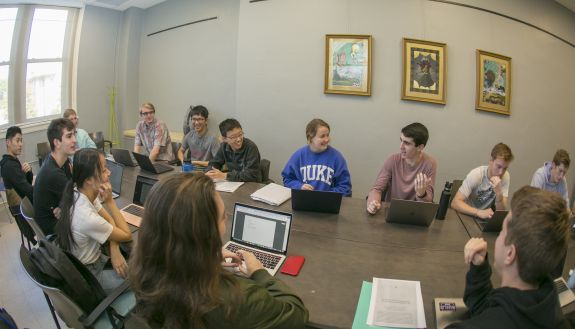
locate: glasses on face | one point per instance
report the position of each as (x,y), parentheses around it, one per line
(198,119)
(144,114)
(236,137)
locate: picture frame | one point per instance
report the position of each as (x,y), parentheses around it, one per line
(348,64)
(493,87)
(424,71)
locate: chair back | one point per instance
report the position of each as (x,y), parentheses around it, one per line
(265,165)
(27,211)
(100,141)
(454,188)
(43,151)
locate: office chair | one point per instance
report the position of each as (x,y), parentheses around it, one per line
(454,188)
(98,138)
(175,148)
(43,150)
(27,211)
(265,165)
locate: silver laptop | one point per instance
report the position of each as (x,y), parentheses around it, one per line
(133,212)
(263,232)
(492,224)
(116,173)
(411,212)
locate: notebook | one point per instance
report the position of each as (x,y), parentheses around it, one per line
(147,165)
(318,201)
(124,157)
(494,223)
(133,212)
(263,232)
(411,212)
(273,194)
(116,173)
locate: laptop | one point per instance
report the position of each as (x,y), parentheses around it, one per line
(133,212)
(124,157)
(411,212)
(147,165)
(318,201)
(494,223)
(263,232)
(117,171)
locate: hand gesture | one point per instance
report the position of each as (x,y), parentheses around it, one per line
(475,251)
(484,213)
(215,174)
(119,264)
(373,207)
(26,167)
(106,192)
(307,187)
(235,259)
(252,264)
(495,182)
(421,184)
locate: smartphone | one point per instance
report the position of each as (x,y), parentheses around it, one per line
(293,265)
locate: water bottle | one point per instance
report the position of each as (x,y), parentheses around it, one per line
(444,201)
(571,282)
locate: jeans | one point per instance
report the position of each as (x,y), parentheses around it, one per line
(108,278)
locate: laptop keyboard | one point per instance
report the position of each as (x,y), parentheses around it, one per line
(134,210)
(268,260)
(560,286)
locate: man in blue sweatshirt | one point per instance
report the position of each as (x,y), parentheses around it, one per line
(551,176)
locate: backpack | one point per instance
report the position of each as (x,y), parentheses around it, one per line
(6,320)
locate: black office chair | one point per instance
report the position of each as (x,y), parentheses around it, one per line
(265,165)
(43,150)
(456,184)
(27,211)
(100,141)
(175,148)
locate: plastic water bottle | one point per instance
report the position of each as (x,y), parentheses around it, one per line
(571,282)
(444,201)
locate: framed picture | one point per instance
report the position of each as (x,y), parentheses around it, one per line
(348,64)
(493,83)
(424,71)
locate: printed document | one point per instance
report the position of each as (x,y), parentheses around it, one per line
(396,303)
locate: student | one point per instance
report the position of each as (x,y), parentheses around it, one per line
(551,176)
(317,166)
(532,242)
(486,186)
(407,175)
(153,135)
(238,153)
(84,225)
(177,273)
(203,146)
(83,140)
(17,176)
(54,174)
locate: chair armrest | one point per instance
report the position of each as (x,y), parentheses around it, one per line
(105,304)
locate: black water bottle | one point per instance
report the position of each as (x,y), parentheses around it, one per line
(444,201)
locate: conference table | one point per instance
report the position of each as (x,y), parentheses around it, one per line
(342,250)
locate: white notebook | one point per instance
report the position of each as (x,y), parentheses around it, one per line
(273,194)
(225,186)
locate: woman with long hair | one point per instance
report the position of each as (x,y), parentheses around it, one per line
(84,225)
(176,268)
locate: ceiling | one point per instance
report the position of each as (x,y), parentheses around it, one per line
(568,4)
(120,5)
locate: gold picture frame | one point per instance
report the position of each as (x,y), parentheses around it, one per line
(424,71)
(347,64)
(493,87)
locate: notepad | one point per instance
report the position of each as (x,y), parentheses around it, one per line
(229,187)
(273,194)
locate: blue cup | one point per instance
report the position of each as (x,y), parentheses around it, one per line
(187,167)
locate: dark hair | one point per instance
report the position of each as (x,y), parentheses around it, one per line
(417,131)
(56,130)
(562,157)
(175,269)
(503,151)
(13,131)
(199,110)
(229,124)
(312,126)
(538,228)
(86,165)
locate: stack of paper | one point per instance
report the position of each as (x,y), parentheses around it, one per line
(225,186)
(273,194)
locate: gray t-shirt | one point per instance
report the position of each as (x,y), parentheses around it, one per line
(477,188)
(202,148)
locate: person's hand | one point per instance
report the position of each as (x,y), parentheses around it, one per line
(373,207)
(119,264)
(484,213)
(307,187)
(26,167)
(495,182)
(106,192)
(475,251)
(252,263)
(215,174)
(236,260)
(421,183)
(57,212)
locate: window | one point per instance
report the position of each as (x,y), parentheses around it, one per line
(35,62)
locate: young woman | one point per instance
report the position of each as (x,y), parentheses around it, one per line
(176,269)
(84,225)
(317,166)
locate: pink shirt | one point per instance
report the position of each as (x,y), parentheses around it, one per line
(397,179)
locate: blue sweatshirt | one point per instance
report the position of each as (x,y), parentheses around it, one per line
(325,171)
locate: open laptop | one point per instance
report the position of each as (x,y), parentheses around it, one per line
(318,201)
(411,212)
(116,173)
(263,232)
(133,212)
(494,223)
(147,165)
(124,157)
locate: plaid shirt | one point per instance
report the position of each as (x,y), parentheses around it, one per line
(155,133)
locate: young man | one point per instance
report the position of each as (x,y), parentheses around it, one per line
(83,140)
(532,242)
(17,176)
(153,135)
(486,186)
(202,145)
(239,154)
(54,174)
(407,175)
(551,176)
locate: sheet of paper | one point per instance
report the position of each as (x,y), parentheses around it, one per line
(230,187)
(396,303)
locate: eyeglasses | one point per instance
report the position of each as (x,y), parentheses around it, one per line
(143,114)
(236,137)
(198,119)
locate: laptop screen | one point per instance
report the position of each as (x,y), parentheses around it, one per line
(261,228)
(116,170)
(142,189)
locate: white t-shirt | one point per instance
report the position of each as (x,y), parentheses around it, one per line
(477,188)
(89,229)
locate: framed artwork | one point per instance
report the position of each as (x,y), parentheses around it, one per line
(348,64)
(424,71)
(493,83)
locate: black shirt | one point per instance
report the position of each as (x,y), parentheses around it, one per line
(243,164)
(15,178)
